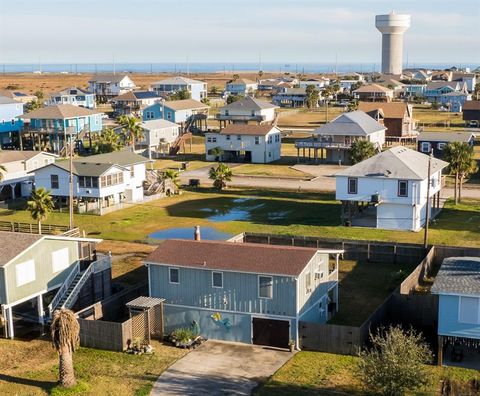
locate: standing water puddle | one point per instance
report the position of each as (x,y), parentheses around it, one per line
(207,233)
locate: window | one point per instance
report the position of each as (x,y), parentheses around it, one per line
(169,116)
(214,140)
(88,182)
(132,171)
(239,137)
(60,260)
(217,279)
(149,115)
(95,182)
(25,272)
(13,121)
(227,112)
(270,139)
(54,184)
(174,275)
(209,140)
(308,283)
(352,185)
(425,147)
(253,113)
(441,146)
(227,137)
(257,140)
(265,286)
(403,188)
(81,181)
(468,310)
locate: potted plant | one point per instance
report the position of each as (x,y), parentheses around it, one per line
(291,345)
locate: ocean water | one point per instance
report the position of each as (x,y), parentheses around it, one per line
(207,67)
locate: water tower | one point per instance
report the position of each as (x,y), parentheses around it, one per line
(392,26)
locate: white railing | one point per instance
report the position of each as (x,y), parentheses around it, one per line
(63,289)
(321,144)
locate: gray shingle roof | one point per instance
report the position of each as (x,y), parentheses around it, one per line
(464,137)
(123,158)
(14,243)
(60,112)
(177,81)
(397,163)
(83,168)
(355,123)
(458,275)
(249,104)
(107,78)
(151,125)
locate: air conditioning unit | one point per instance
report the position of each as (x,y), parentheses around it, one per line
(318,274)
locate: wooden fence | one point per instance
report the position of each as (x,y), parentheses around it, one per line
(32,228)
(345,340)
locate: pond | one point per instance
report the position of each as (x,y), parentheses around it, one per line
(241,211)
(207,233)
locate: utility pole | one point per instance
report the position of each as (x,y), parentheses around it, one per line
(70,197)
(427,214)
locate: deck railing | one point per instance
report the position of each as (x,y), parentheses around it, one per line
(64,288)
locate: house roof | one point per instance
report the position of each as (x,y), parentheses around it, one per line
(178,80)
(107,78)
(293,91)
(61,111)
(14,94)
(389,110)
(458,275)
(7,156)
(245,81)
(184,104)
(122,158)
(355,123)
(7,100)
(247,129)
(230,256)
(72,91)
(441,84)
(14,243)
(464,137)
(249,104)
(137,95)
(152,125)
(471,105)
(397,163)
(83,168)
(372,88)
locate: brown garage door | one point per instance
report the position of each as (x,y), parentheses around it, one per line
(271,332)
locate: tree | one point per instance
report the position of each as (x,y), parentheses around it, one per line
(461,158)
(40,205)
(205,101)
(476,91)
(260,74)
(39,94)
(233,98)
(235,77)
(172,175)
(220,176)
(313,96)
(32,105)
(65,332)
(214,90)
(108,141)
(217,152)
(180,95)
(131,129)
(361,150)
(2,169)
(396,362)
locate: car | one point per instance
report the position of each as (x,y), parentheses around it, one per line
(473,124)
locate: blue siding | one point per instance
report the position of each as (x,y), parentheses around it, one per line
(448,324)
(9,112)
(170,115)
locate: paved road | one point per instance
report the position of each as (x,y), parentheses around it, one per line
(220,368)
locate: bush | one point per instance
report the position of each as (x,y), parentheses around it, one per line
(183,334)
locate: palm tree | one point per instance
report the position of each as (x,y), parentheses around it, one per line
(461,158)
(65,339)
(108,141)
(220,176)
(217,152)
(131,129)
(40,205)
(235,77)
(2,169)
(172,174)
(313,96)
(361,150)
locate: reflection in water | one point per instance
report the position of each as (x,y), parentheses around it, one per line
(207,233)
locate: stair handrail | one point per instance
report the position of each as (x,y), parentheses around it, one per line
(63,289)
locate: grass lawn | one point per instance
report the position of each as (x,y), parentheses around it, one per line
(31,368)
(273,169)
(316,373)
(291,213)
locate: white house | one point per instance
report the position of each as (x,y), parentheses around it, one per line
(319,84)
(245,143)
(241,86)
(74,96)
(158,136)
(99,181)
(247,109)
(389,190)
(17,179)
(107,86)
(196,89)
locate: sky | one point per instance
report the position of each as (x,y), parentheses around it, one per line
(302,31)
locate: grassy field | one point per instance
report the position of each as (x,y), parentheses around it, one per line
(279,170)
(315,373)
(267,211)
(31,368)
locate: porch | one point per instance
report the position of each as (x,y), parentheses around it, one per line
(459,352)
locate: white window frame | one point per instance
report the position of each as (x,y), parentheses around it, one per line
(170,275)
(441,146)
(478,310)
(213,284)
(271,280)
(423,145)
(356,186)
(25,273)
(398,191)
(60,260)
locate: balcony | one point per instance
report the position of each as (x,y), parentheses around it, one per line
(310,143)
(238,117)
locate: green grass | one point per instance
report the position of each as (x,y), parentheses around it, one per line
(316,373)
(272,170)
(310,214)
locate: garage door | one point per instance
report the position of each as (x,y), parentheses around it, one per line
(271,332)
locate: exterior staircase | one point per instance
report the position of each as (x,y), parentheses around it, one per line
(177,144)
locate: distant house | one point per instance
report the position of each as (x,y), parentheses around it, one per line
(373,93)
(241,86)
(107,86)
(51,125)
(245,143)
(100,181)
(290,97)
(436,89)
(158,137)
(196,89)
(246,110)
(336,137)
(187,113)
(319,84)
(18,96)
(411,91)
(134,102)
(441,75)
(458,288)
(243,292)
(437,141)
(10,124)
(389,190)
(396,116)
(276,84)
(74,96)
(17,179)
(470,79)
(33,269)
(471,112)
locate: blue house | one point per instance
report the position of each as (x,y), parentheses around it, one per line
(9,123)
(243,292)
(74,96)
(196,89)
(438,141)
(52,125)
(458,288)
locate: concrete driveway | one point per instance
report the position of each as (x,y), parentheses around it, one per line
(220,368)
